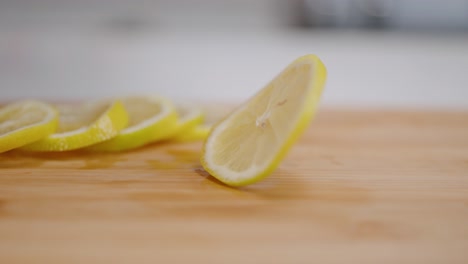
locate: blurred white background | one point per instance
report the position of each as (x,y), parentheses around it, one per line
(411,54)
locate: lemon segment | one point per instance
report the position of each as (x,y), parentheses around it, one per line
(151,119)
(83,125)
(250,143)
(24,122)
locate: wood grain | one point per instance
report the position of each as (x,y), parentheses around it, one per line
(359,187)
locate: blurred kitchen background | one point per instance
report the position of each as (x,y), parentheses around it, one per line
(379,53)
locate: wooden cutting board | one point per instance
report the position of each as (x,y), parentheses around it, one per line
(359,187)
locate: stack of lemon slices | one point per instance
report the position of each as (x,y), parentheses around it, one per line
(108,125)
(242,148)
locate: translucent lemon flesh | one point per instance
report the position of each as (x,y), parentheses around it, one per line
(249,143)
(25,122)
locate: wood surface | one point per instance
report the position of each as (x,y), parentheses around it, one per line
(359,187)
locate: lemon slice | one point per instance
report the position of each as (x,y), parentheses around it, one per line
(24,122)
(151,119)
(190,118)
(200,131)
(83,125)
(249,143)
(196,133)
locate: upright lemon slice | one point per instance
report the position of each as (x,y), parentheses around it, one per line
(24,122)
(83,125)
(249,143)
(151,119)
